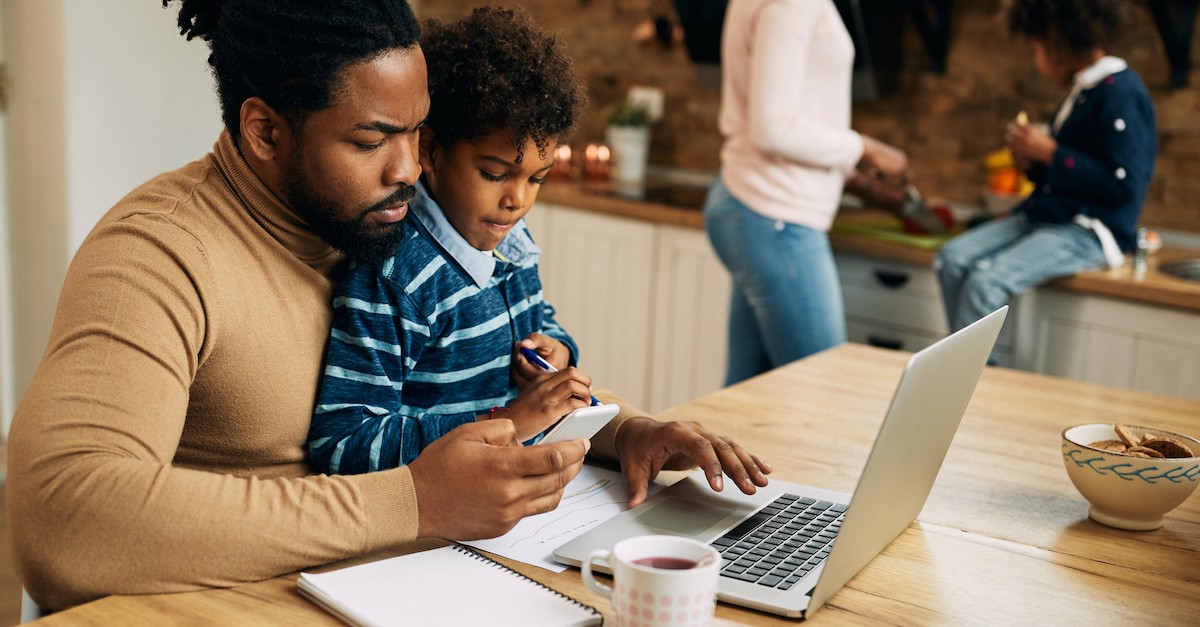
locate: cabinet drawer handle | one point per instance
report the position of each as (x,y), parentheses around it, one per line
(891,279)
(883,342)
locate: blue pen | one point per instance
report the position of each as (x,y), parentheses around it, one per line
(537,360)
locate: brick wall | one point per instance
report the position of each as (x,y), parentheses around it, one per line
(945,122)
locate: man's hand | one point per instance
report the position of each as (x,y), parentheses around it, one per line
(646,446)
(553,351)
(478,482)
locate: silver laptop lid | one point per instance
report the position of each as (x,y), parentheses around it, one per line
(913,440)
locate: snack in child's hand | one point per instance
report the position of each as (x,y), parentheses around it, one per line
(1146,446)
(1022,118)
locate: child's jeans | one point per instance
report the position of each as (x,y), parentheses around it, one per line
(985,267)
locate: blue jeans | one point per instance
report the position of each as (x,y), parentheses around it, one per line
(786,302)
(985,267)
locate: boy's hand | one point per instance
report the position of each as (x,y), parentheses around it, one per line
(550,349)
(546,400)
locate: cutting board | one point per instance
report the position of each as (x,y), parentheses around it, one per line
(887,228)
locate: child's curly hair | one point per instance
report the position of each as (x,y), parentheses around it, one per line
(495,70)
(1071,28)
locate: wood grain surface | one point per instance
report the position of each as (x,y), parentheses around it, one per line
(1003,539)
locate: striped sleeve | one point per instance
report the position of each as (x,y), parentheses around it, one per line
(361,422)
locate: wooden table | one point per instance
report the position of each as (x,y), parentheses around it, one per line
(1004,537)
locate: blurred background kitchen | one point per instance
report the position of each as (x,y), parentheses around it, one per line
(94,95)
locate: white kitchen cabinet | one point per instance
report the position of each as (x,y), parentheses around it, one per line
(691,317)
(598,272)
(898,305)
(1112,342)
(647,303)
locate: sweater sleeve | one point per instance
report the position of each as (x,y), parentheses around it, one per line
(360,423)
(785,35)
(604,443)
(96,504)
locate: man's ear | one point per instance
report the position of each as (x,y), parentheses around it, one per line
(430,153)
(263,129)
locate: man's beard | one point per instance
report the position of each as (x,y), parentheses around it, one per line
(349,236)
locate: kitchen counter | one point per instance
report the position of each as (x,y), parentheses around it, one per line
(657,201)
(667,202)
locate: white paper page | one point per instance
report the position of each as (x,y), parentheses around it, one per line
(594,496)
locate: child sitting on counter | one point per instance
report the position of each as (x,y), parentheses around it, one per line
(1091,167)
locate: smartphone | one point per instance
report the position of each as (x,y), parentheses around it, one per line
(581,423)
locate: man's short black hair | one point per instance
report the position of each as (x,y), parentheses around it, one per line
(1071,28)
(291,53)
(495,70)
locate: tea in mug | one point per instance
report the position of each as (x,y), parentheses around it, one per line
(666,563)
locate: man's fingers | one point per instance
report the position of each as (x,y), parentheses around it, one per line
(743,468)
(548,459)
(494,432)
(637,481)
(545,491)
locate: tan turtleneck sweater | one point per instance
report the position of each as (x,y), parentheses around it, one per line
(160,447)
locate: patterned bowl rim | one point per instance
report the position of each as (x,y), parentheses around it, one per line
(1194,442)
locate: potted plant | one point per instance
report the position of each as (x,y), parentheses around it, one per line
(628,136)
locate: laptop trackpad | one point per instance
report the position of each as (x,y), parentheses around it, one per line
(681,516)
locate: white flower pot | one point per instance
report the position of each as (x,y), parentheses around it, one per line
(630,147)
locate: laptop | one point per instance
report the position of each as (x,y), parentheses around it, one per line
(790,547)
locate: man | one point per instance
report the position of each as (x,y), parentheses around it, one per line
(159,447)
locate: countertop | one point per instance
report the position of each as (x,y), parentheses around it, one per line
(668,202)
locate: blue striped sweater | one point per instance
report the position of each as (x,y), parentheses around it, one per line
(422,343)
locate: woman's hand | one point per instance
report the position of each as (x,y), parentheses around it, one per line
(885,162)
(875,191)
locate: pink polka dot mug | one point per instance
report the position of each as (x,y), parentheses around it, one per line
(658,581)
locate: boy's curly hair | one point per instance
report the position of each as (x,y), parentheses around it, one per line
(1069,27)
(496,70)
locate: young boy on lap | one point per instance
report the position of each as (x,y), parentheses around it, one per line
(427,340)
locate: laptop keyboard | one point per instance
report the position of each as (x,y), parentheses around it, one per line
(781,543)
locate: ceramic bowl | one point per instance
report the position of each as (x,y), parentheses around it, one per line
(1123,491)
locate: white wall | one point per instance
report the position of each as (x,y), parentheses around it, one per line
(140,101)
(7,400)
(105,94)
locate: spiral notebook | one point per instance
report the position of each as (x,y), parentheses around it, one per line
(452,585)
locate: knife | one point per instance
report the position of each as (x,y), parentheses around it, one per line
(916,210)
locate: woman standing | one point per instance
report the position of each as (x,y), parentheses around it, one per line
(789,151)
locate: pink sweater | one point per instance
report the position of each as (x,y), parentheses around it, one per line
(785,108)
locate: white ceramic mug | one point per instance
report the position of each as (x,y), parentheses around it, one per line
(658,580)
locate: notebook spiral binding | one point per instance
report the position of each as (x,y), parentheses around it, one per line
(483,558)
